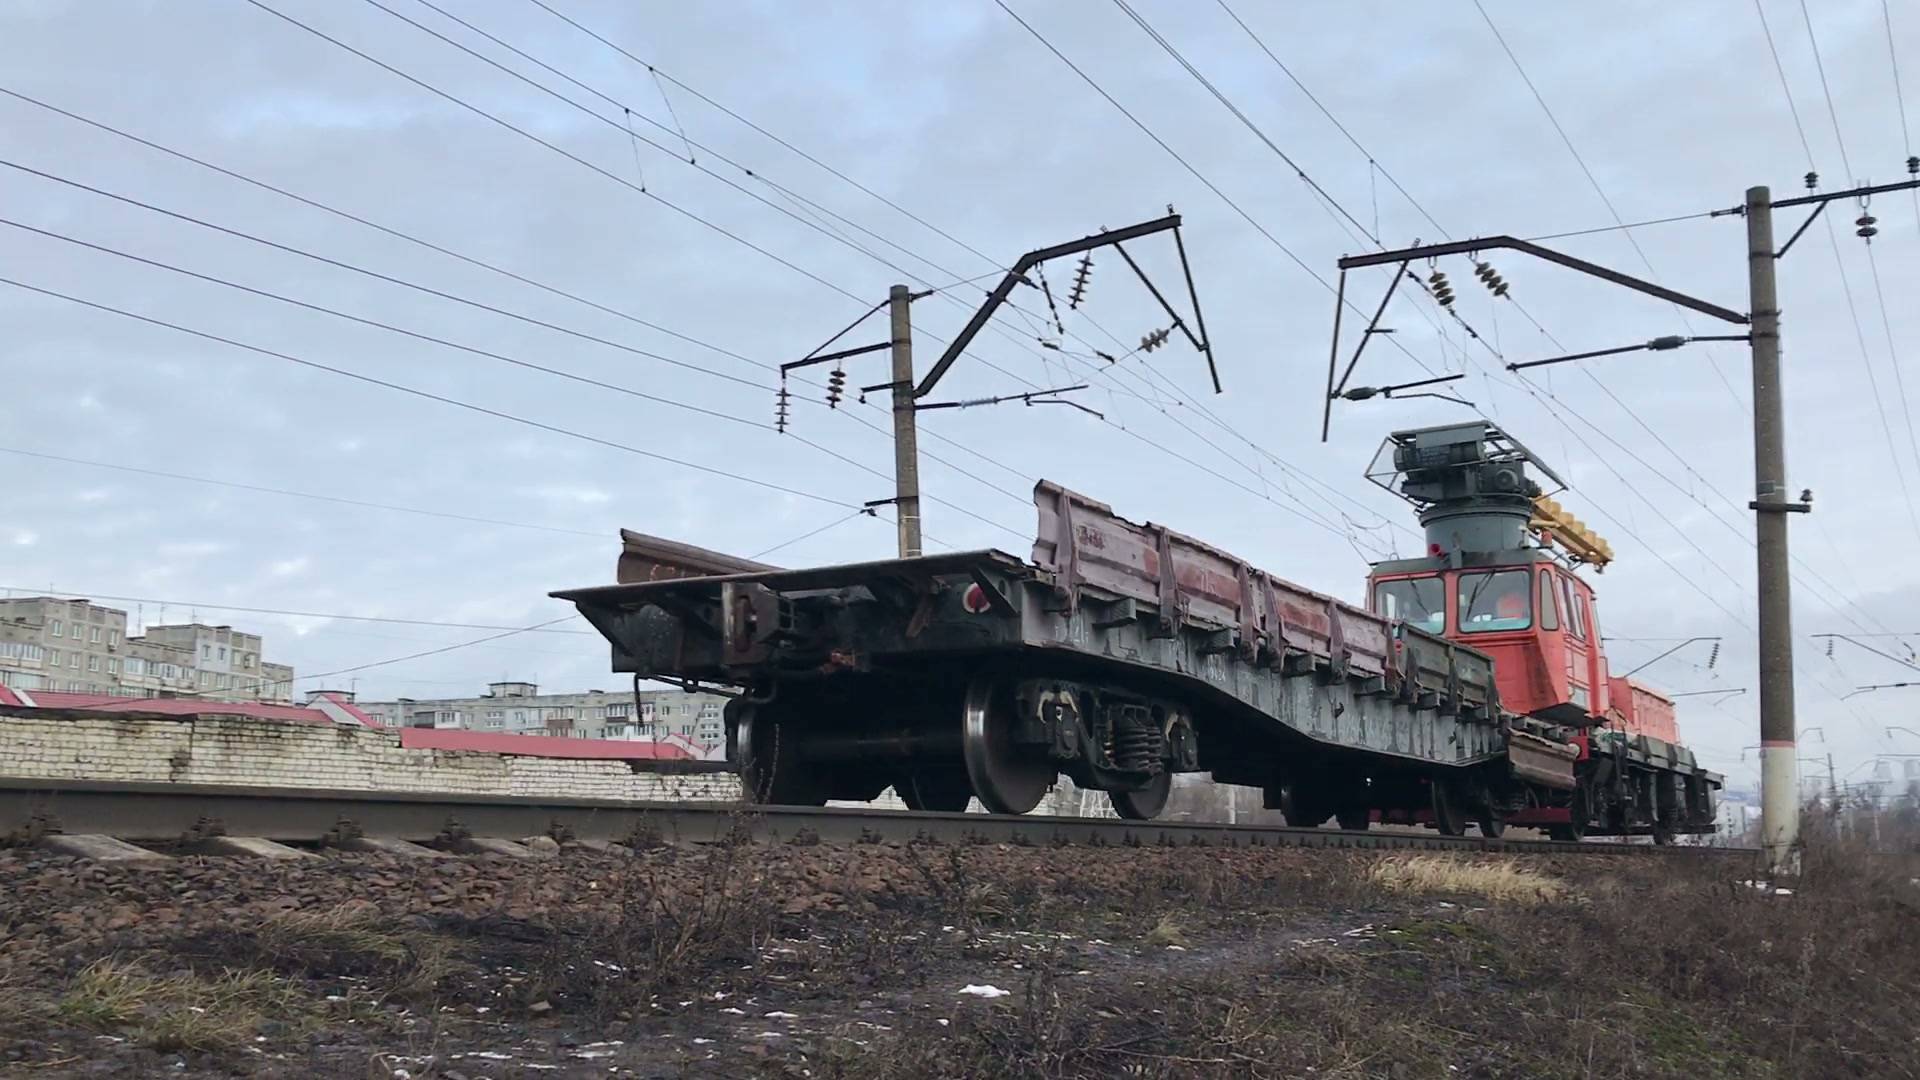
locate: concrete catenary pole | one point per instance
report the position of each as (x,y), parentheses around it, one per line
(1779,762)
(906,442)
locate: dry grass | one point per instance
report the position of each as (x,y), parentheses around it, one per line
(1166,932)
(403,963)
(1504,882)
(182,1011)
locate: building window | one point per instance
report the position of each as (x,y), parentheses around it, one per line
(113,665)
(206,652)
(53,627)
(73,660)
(113,639)
(93,634)
(93,663)
(53,657)
(223,652)
(620,711)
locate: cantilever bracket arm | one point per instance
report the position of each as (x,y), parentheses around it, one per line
(1017,274)
(1487,243)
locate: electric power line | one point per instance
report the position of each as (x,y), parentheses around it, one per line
(494,268)
(429,395)
(343,617)
(488,354)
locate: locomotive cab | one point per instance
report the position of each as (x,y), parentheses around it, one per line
(1499,570)
(1532,615)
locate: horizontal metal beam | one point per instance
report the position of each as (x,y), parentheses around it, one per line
(1018,274)
(1488,243)
(843,354)
(1855,193)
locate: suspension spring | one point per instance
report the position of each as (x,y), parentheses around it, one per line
(1137,747)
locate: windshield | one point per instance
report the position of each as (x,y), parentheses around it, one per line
(1420,601)
(1496,601)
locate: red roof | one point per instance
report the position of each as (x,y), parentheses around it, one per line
(489,742)
(259,710)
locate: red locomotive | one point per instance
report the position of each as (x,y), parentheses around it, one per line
(1500,575)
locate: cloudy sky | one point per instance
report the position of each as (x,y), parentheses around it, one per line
(666,272)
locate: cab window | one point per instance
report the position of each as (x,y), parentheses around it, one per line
(1568,594)
(1549,609)
(1420,601)
(1500,600)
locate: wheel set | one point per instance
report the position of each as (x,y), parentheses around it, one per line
(776,756)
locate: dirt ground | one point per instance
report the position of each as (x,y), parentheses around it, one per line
(904,961)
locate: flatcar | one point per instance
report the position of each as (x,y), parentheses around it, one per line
(1471,688)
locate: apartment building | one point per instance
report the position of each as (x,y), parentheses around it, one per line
(519,708)
(74,645)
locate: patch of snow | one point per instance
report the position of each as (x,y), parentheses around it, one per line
(777,1015)
(591,1055)
(1176,948)
(730,1011)
(985,991)
(697,1041)
(771,1035)
(942,1021)
(1360,931)
(489,1055)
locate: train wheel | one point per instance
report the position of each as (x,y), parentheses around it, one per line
(1447,815)
(1301,809)
(1493,824)
(943,790)
(1008,778)
(1355,818)
(770,769)
(1146,803)
(1662,832)
(1576,826)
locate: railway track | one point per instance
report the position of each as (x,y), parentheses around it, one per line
(168,816)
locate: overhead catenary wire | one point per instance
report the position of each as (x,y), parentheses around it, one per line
(1622,225)
(512,275)
(811,533)
(811,159)
(491,355)
(1846,285)
(750,172)
(1593,180)
(290,493)
(93,594)
(430,395)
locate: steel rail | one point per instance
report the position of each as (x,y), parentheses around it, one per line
(162,813)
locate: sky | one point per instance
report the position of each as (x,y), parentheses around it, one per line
(660,238)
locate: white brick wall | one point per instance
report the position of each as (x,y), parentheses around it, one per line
(265,753)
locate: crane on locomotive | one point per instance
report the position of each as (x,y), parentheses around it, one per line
(1499,569)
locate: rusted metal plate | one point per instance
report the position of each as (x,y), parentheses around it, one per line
(653,558)
(1089,547)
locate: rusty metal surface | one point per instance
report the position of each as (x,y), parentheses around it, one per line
(653,558)
(165,813)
